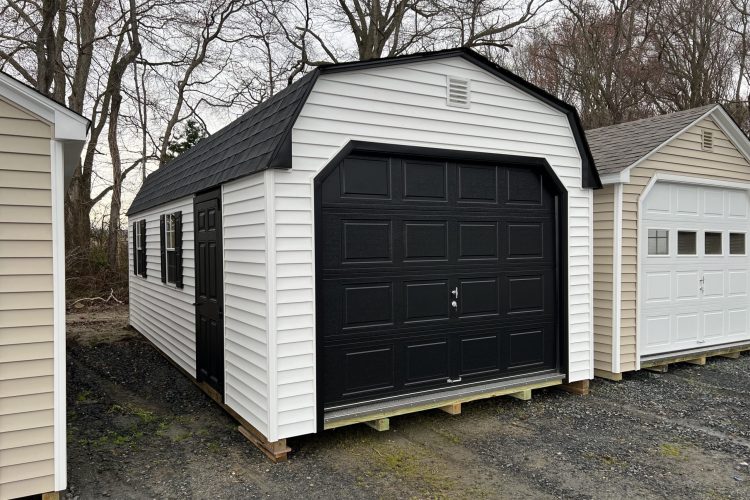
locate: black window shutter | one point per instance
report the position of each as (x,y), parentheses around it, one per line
(162,247)
(143,247)
(178,248)
(135,249)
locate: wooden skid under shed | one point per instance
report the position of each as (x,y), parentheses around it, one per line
(660,365)
(449,405)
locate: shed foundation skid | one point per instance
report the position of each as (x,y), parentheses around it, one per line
(377,411)
(695,357)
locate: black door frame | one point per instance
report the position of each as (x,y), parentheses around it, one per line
(213,194)
(561,246)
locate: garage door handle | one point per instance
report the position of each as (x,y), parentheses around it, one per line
(453,380)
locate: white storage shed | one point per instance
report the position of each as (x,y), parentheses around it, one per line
(380,236)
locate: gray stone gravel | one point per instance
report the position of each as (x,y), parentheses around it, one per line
(139,429)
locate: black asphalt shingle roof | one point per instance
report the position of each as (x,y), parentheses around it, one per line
(261,138)
(617,147)
(247,145)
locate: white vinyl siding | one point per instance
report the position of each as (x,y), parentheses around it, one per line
(160,311)
(245,299)
(406,104)
(26,306)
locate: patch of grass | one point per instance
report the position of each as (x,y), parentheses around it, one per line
(214,446)
(671,450)
(84,396)
(448,435)
(413,466)
(145,415)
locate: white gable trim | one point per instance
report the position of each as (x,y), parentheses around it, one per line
(726,124)
(67,125)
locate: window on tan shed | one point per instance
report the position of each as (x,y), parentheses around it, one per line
(712,243)
(686,243)
(737,243)
(658,242)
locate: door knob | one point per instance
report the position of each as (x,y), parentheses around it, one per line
(454,304)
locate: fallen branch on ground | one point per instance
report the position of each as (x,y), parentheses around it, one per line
(92,299)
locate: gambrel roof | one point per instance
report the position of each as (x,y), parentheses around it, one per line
(262,138)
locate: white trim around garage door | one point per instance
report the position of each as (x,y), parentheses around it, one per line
(58,294)
(675,178)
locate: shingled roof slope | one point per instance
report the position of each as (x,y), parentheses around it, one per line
(617,147)
(245,146)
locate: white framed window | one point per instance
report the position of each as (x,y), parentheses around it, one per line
(712,244)
(658,242)
(737,244)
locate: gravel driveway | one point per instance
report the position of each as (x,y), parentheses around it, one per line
(138,429)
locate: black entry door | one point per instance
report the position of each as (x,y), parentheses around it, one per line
(434,274)
(208,291)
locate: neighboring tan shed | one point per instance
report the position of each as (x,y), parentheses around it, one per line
(377,238)
(40,142)
(670,257)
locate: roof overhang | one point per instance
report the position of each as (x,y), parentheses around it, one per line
(68,127)
(722,119)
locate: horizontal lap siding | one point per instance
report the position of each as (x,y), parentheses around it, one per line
(245,299)
(604,234)
(406,105)
(163,313)
(26,306)
(683,156)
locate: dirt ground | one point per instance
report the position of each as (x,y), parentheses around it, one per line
(138,429)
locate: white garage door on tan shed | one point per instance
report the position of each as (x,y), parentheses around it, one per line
(694,267)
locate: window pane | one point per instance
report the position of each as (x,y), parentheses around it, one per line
(737,243)
(171,267)
(686,242)
(169,229)
(658,242)
(713,243)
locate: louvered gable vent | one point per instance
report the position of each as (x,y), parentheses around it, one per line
(458,92)
(707,138)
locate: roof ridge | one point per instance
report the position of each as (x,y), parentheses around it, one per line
(671,114)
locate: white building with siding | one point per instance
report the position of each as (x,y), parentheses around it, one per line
(378,236)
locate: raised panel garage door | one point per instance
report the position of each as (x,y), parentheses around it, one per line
(694,268)
(433,274)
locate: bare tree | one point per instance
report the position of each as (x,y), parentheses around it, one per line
(694,52)
(488,23)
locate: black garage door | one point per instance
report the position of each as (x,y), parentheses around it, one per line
(433,274)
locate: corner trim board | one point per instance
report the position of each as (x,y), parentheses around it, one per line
(269,179)
(617,280)
(58,287)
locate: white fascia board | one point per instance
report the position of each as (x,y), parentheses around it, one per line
(622,177)
(732,131)
(67,125)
